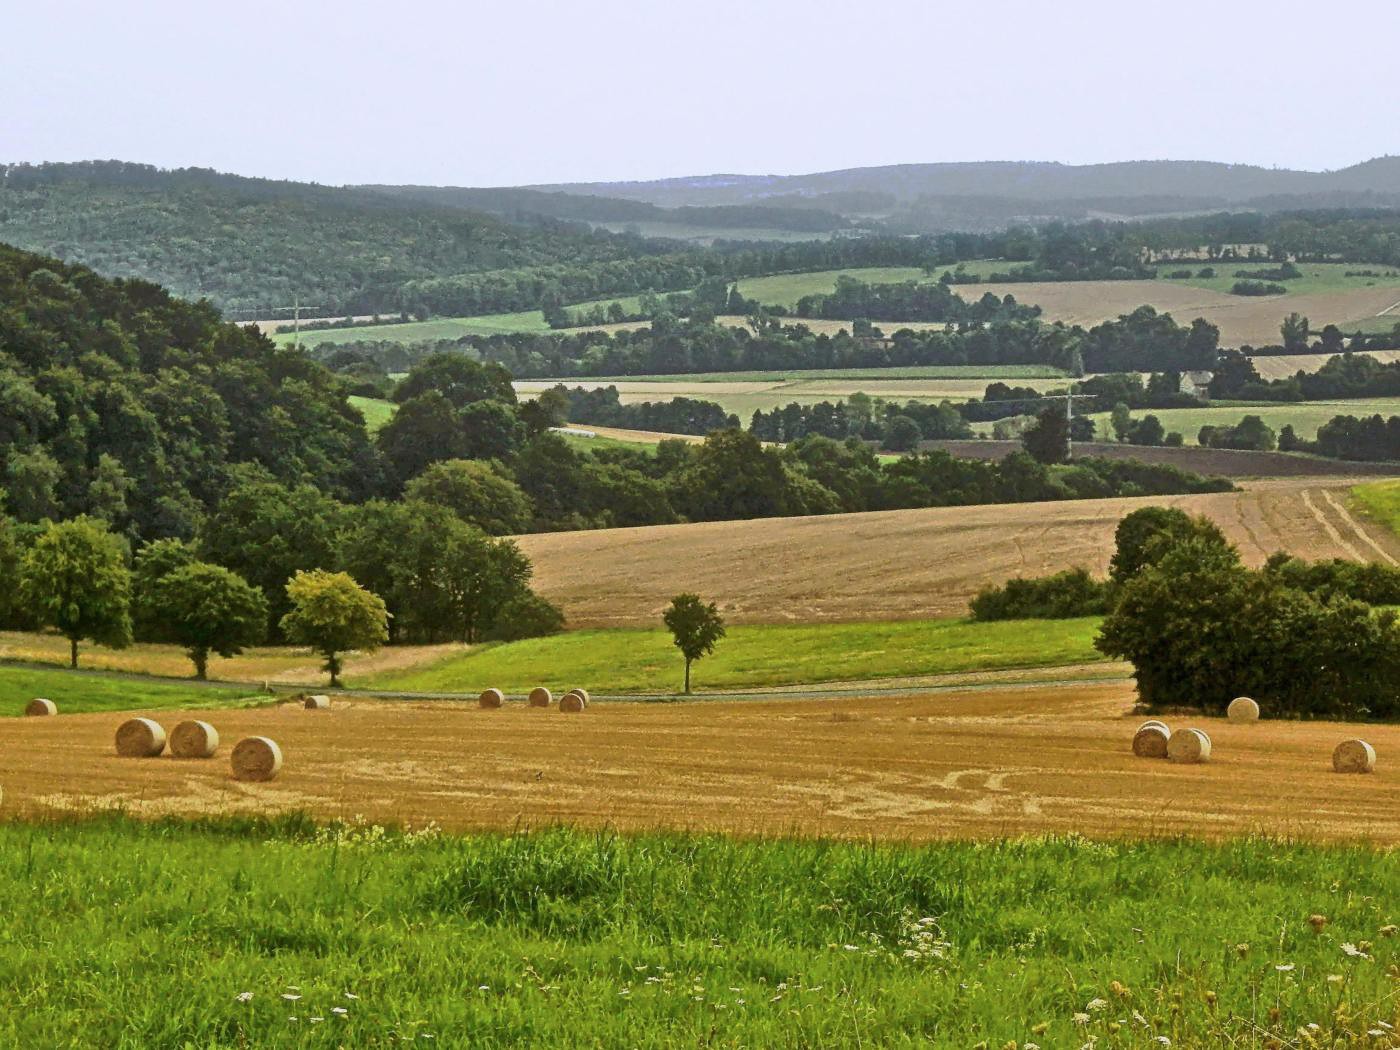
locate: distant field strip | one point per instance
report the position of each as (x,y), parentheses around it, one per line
(751,657)
(898,565)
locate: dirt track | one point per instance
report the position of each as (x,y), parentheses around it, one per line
(1008,762)
(899,565)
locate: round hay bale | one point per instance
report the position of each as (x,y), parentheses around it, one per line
(1188,745)
(194,739)
(1158,724)
(140,738)
(319,702)
(572,703)
(541,697)
(582,694)
(1242,709)
(39,708)
(1150,741)
(256,758)
(1354,756)
(491,698)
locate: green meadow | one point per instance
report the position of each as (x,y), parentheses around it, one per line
(231,934)
(753,656)
(1317,277)
(1305,416)
(79,693)
(1379,501)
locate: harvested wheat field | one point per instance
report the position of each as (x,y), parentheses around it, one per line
(989,763)
(1241,319)
(907,564)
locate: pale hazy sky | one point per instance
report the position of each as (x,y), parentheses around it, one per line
(528,91)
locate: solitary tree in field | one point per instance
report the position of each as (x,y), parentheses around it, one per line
(333,614)
(75,578)
(695,627)
(208,609)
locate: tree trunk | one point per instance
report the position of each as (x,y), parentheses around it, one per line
(201,663)
(73,652)
(333,666)
(687,677)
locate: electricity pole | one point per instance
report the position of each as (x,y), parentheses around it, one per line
(296,309)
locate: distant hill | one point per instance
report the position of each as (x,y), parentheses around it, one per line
(983,194)
(247,244)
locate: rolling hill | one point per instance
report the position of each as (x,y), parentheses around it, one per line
(247,244)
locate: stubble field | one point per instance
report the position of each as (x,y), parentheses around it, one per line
(907,564)
(978,763)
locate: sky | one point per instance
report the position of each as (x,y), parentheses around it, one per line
(516,92)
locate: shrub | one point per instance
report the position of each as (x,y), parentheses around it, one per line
(1201,629)
(525,616)
(1145,536)
(1061,596)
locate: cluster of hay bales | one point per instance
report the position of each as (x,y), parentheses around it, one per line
(573,701)
(1154,739)
(255,758)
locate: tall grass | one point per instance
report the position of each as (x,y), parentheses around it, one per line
(120,934)
(751,656)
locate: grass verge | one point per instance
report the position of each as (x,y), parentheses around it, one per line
(78,693)
(130,935)
(752,656)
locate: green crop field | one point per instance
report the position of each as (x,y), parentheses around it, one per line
(1317,277)
(79,693)
(129,935)
(785,289)
(1305,416)
(645,661)
(1379,501)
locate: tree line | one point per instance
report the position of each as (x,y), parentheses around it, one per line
(352,580)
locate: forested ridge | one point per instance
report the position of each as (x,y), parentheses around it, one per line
(252,244)
(247,244)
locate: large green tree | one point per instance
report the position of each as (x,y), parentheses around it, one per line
(208,609)
(74,578)
(333,615)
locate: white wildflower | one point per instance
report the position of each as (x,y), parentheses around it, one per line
(1285,967)
(244,997)
(1095,1006)
(1082,1018)
(291,997)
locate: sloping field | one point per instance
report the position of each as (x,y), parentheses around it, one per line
(1241,319)
(1222,462)
(905,564)
(980,763)
(1285,365)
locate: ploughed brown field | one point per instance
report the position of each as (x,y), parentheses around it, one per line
(908,564)
(991,763)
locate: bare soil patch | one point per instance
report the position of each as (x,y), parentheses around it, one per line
(994,763)
(905,564)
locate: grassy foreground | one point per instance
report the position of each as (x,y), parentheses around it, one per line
(80,693)
(129,935)
(646,661)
